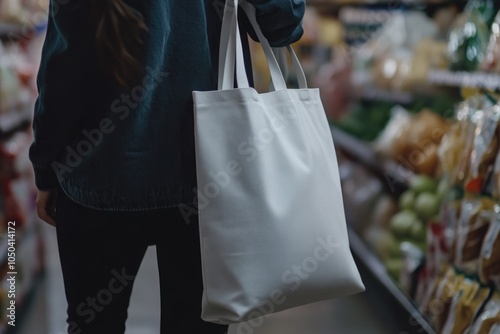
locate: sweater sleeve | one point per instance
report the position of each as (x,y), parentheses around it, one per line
(58,107)
(280,20)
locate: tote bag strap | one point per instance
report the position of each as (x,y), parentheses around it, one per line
(280,54)
(270,55)
(231,50)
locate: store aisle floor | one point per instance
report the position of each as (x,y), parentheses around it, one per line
(46,312)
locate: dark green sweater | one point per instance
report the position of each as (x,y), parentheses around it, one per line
(119,150)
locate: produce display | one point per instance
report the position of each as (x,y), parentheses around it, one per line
(408,225)
(442,242)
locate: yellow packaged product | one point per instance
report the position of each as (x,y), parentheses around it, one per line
(485,148)
(430,294)
(465,306)
(438,307)
(490,252)
(459,143)
(471,229)
(489,316)
(456,147)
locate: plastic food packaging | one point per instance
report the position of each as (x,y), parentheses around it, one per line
(484,150)
(457,145)
(413,141)
(469,42)
(423,139)
(464,307)
(391,50)
(489,316)
(496,179)
(439,306)
(473,224)
(492,59)
(490,252)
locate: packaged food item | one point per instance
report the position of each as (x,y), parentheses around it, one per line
(430,305)
(495,179)
(455,141)
(473,224)
(437,254)
(490,252)
(485,148)
(469,41)
(495,329)
(428,294)
(485,8)
(438,306)
(465,306)
(488,317)
(423,138)
(492,59)
(457,145)
(413,140)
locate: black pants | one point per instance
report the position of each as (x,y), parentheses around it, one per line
(100,254)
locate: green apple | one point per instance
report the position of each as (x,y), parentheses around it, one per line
(407,200)
(423,183)
(401,223)
(427,205)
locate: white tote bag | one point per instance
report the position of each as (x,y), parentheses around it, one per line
(272,225)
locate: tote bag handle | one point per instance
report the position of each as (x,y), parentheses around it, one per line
(231,51)
(279,52)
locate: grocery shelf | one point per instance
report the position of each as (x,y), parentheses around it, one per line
(481,80)
(375,94)
(394,306)
(395,176)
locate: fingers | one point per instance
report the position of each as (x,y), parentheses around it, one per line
(45,206)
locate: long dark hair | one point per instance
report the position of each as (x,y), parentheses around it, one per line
(119,31)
